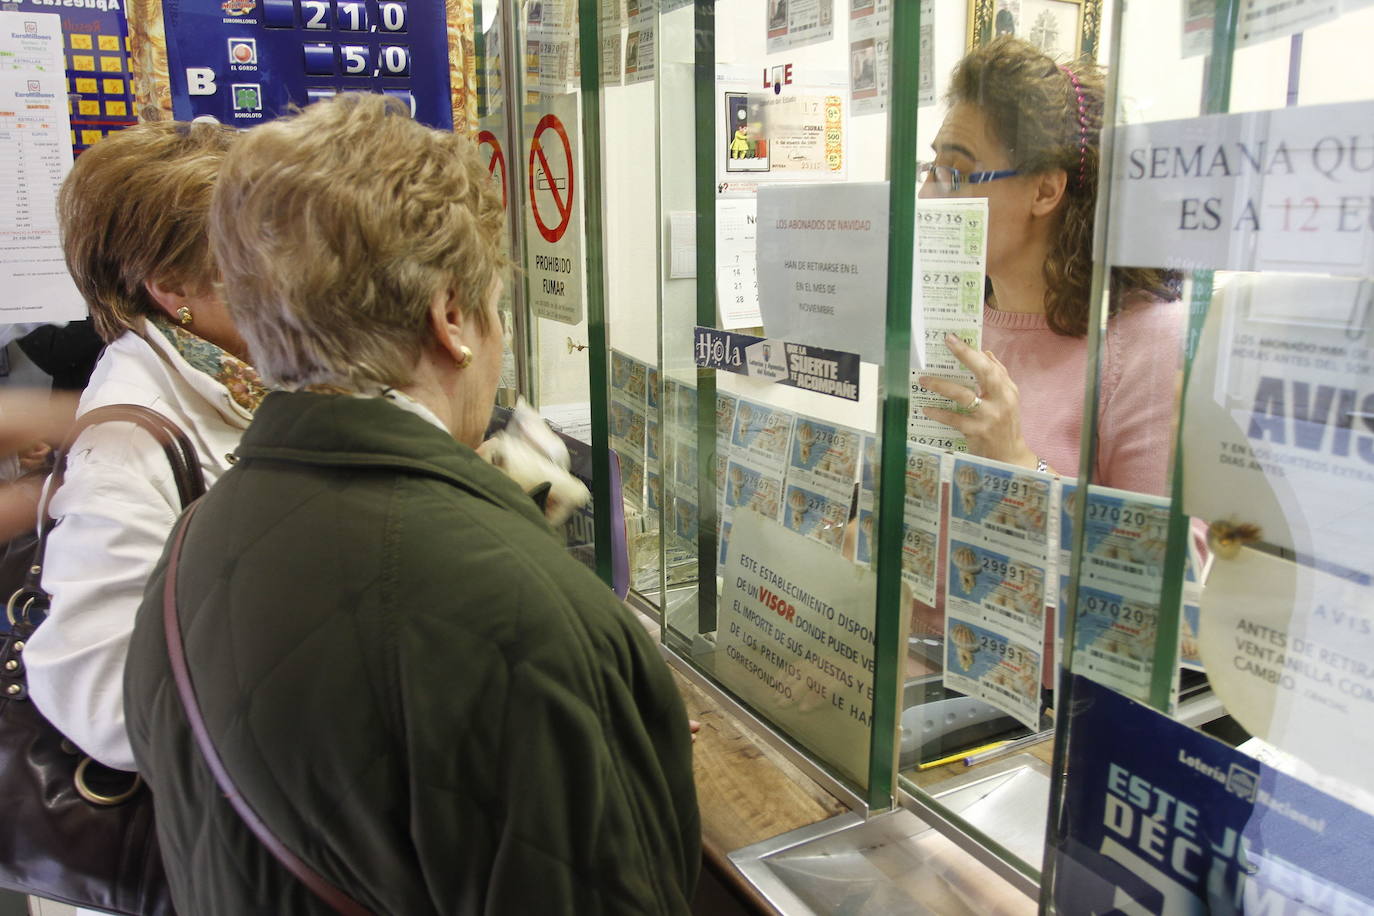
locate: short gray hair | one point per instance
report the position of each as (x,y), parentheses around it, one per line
(335,227)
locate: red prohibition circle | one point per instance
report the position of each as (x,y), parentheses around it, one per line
(498,159)
(555,232)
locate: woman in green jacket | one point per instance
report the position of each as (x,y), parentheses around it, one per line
(413,685)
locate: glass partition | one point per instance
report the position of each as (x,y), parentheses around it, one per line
(1217,636)
(773,325)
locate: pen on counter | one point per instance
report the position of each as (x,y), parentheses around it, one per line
(983,749)
(978,755)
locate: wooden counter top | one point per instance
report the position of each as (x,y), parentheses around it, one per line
(747,791)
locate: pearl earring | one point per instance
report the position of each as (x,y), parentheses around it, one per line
(184,315)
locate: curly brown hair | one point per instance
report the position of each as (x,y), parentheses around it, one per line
(1050,117)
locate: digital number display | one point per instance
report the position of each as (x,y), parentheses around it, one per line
(356,59)
(351,16)
(392,16)
(395,60)
(259,59)
(315,13)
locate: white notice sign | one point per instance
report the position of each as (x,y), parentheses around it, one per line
(796,638)
(1288,650)
(737,285)
(1280,415)
(35,155)
(822,254)
(1289,190)
(553,260)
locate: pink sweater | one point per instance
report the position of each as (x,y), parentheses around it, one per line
(1136,407)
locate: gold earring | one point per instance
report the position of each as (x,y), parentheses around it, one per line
(466,359)
(184,315)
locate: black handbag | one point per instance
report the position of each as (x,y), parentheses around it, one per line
(76,831)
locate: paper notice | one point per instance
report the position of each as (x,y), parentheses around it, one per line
(737,284)
(35,156)
(1287,649)
(682,240)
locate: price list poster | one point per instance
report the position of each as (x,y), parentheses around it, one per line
(93,48)
(35,155)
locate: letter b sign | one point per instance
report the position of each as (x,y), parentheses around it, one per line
(200,81)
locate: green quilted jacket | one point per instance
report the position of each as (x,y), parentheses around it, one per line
(412,683)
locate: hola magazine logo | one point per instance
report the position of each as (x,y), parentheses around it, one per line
(239,7)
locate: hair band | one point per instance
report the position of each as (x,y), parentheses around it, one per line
(1082,125)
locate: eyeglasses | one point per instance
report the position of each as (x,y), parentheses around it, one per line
(949,179)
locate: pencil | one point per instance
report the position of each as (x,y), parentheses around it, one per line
(961,755)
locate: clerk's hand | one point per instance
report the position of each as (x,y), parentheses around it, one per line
(993,425)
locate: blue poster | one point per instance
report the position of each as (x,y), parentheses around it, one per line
(244,61)
(1162,819)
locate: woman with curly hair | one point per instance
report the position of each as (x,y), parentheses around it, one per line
(1023,132)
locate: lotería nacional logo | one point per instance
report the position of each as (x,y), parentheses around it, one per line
(239,7)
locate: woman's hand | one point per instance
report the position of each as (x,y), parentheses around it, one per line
(993,426)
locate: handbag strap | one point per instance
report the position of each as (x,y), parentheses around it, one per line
(176,652)
(181,455)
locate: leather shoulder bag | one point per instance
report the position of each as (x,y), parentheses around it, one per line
(75,830)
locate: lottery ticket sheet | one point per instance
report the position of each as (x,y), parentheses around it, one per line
(797,23)
(1117,608)
(950,267)
(822,464)
(759,443)
(866,520)
(726,405)
(677,439)
(640,50)
(989,665)
(921,522)
(629,423)
(1001,526)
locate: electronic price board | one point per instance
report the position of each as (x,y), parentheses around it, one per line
(244,61)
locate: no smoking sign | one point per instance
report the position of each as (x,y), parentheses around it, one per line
(490,147)
(551,178)
(553,234)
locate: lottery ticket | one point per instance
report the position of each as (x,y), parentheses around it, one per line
(753,488)
(951,241)
(1002,593)
(761,435)
(988,665)
(1120,576)
(821,469)
(921,522)
(866,519)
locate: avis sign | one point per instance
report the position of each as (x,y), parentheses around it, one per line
(552,210)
